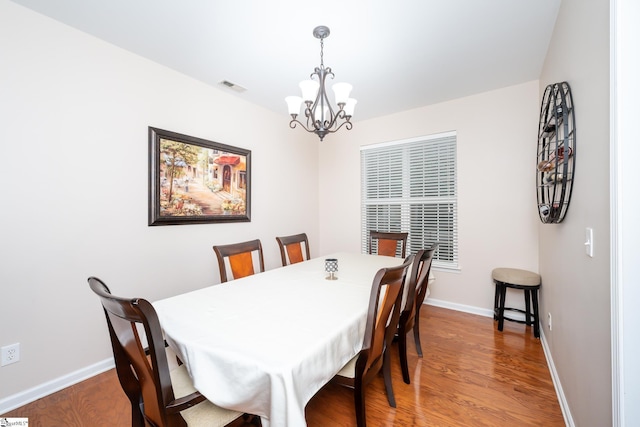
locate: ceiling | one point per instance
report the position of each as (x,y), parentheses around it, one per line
(397,55)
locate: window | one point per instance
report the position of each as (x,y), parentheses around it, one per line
(410,186)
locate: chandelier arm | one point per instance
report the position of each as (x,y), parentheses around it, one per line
(348,124)
(328,121)
(334,121)
(323,131)
(309,113)
(292,125)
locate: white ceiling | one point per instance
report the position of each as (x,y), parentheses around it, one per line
(397,55)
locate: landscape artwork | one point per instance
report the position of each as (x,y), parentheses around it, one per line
(196,181)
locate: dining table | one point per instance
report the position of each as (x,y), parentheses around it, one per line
(265,344)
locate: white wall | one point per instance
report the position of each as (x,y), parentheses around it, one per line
(496,185)
(75,113)
(625,106)
(576,288)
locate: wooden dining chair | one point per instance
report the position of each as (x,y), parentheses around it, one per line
(387,243)
(240,257)
(382,322)
(291,248)
(158,397)
(417,285)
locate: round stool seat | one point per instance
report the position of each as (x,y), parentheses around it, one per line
(515,276)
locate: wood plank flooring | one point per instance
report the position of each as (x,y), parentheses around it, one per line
(470,375)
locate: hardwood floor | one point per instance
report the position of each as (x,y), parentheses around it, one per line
(470,375)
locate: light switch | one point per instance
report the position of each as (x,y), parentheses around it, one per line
(588,244)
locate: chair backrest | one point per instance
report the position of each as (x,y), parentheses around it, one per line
(291,248)
(240,256)
(417,285)
(382,317)
(387,243)
(145,375)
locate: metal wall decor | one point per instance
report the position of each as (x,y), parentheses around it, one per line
(556,155)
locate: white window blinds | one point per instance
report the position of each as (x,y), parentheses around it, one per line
(410,186)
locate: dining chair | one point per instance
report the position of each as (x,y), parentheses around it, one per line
(158,397)
(291,248)
(417,284)
(382,322)
(387,243)
(240,257)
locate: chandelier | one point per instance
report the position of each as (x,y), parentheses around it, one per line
(322,118)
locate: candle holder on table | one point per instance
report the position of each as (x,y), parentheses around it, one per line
(331,267)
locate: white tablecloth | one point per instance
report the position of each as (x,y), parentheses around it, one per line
(265,344)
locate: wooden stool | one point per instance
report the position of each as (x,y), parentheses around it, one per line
(514,278)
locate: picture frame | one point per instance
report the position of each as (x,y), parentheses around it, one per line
(197,181)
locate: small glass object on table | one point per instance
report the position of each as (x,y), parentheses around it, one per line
(331,267)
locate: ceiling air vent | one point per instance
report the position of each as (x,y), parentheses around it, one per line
(231,85)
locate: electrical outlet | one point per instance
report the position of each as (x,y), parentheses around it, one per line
(10,354)
(549,321)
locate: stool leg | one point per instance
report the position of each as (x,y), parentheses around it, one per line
(496,301)
(503,294)
(527,306)
(536,314)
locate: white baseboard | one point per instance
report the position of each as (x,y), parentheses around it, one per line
(562,399)
(564,405)
(17,400)
(460,307)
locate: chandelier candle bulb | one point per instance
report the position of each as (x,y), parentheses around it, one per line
(293,103)
(342,92)
(309,90)
(350,106)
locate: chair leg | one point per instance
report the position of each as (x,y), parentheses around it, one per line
(386,372)
(358,395)
(416,333)
(137,416)
(251,419)
(404,363)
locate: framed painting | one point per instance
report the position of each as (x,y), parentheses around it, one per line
(196,181)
